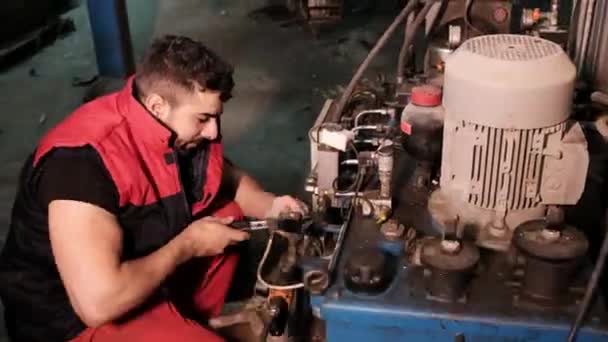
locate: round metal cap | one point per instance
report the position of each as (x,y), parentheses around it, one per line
(435,255)
(533,239)
(426,96)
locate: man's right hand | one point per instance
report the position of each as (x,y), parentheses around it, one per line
(87,244)
(210,236)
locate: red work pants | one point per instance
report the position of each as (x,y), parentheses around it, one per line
(196,292)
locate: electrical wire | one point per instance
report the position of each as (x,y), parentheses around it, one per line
(342,235)
(261,266)
(591,286)
(335,115)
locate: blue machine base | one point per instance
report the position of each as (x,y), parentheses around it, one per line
(411,317)
(494,309)
(403,312)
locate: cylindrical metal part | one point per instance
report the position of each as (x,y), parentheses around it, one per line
(451,264)
(385,159)
(110,27)
(552,259)
(385,169)
(548,281)
(447,286)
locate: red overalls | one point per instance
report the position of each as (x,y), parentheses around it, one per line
(135,148)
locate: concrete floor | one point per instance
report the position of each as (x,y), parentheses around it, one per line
(282,76)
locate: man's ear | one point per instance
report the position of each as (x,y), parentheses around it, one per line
(158,106)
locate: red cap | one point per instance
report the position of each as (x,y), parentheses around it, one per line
(426,96)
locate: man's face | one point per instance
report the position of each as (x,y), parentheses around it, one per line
(195,118)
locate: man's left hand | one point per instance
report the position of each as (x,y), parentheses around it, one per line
(283,204)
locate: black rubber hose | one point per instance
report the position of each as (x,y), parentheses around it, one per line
(467,16)
(591,286)
(335,115)
(410,33)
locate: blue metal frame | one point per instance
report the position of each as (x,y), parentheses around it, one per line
(110,28)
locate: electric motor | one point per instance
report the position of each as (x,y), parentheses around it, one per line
(508,146)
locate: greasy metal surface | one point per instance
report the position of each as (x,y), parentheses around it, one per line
(404,312)
(547,283)
(365,271)
(489,310)
(447,286)
(465,258)
(571,244)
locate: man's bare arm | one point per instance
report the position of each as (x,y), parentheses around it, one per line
(252,198)
(87,245)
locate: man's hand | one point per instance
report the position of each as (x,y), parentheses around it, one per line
(254,201)
(210,236)
(283,204)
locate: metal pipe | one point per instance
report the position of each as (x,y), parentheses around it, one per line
(409,38)
(335,115)
(383,111)
(575,30)
(585,35)
(365,127)
(385,169)
(350,162)
(110,28)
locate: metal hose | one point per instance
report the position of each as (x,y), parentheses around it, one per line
(586,36)
(335,115)
(410,33)
(591,286)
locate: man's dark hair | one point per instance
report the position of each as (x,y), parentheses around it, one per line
(180,61)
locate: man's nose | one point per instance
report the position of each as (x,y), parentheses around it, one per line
(210,131)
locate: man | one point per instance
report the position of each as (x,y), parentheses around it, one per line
(120,229)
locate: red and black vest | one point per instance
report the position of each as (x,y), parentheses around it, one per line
(136,151)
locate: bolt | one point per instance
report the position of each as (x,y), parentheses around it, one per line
(273,311)
(554,184)
(450,246)
(550,235)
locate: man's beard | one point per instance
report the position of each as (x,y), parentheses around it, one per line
(193,144)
